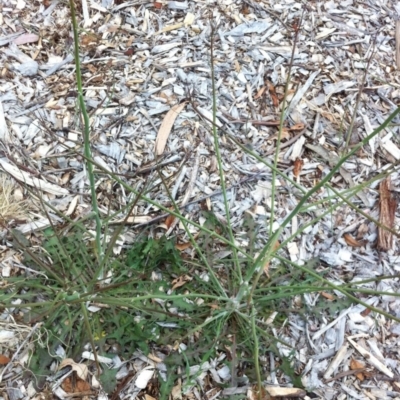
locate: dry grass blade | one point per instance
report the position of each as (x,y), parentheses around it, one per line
(166,126)
(388,205)
(10,206)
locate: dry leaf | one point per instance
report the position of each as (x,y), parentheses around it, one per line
(169,220)
(297,127)
(166,127)
(129,51)
(388,205)
(180,281)
(272,93)
(154,358)
(26,38)
(354,364)
(176,392)
(88,39)
(260,92)
(245,9)
(266,269)
(186,245)
(365,312)
(73,384)
(328,296)
(285,134)
(351,241)
(80,369)
(183,246)
(298,165)
(4,360)
(266,265)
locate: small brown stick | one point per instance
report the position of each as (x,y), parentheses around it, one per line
(345,373)
(388,205)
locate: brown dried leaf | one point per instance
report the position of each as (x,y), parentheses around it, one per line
(73,384)
(266,265)
(4,360)
(88,39)
(186,245)
(365,312)
(272,93)
(180,281)
(245,9)
(285,134)
(298,165)
(328,296)
(266,269)
(176,392)
(297,127)
(183,246)
(169,220)
(260,92)
(355,364)
(166,127)
(351,241)
(388,206)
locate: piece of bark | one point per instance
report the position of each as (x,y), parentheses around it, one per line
(387,205)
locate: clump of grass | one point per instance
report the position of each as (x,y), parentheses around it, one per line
(228,305)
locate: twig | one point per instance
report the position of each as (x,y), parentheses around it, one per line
(345,373)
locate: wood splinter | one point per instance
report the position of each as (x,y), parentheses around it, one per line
(388,205)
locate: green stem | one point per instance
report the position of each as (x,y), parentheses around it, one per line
(86,137)
(256,352)
(219,159)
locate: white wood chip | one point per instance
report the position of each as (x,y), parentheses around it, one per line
(144,377)
(391,148)
(209,116)
(337,360)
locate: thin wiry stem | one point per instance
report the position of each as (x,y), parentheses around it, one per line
(86,136)
(219,159)
(281,122)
